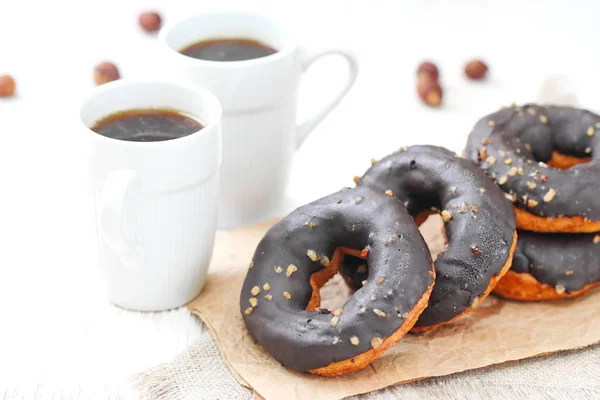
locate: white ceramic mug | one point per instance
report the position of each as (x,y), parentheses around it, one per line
(259,99)
(155,202)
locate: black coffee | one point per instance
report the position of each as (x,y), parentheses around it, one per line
(228,50)
(147,125)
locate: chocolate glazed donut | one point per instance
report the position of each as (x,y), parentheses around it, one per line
(548,160)
(552,266)
(280,296)
(479,222)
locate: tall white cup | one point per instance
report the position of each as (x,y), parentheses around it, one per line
(259,99)
(155,202)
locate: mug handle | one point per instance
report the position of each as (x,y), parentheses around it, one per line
(116,189)
(306,60)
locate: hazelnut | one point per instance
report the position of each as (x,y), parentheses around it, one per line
(150,21)
(476,69)
(428,70)
(7,86)
(430,92)
(105,72)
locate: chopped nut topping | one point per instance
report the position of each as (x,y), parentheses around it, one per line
(338,311)
(380,281)
(255,290)
(596,239)
(278,269)
(525,197)
(491,160)
(373,161)
(376,342)
(475,250)
(354,340)
(379,313)
(513,171)
(287,295)
(543,119)
(528,146)
(482,190)
(325,261)
(392,239)
(569,272)
(510,196)
(446,216)
(531,111)
(453,189)
(502,153)
(389,192)
(266,287)
(362,268)
(404,148)
(454,206)
(356,179)
(362,310)
(364,282)
(508,161)
(463,208)
(550,195)
(431,273)
(310,225)
(483,153)
(491,122)
(336,340)
(503,180)
(590,131)
(268,297)
(560,289)
(253,301)
(531,185)
(290,270)
(486,141)
(373,298)
(531,203)
(334,321)
(312,255)
(588,150)
(405,315)
(474,208)
(248,311)
(543,179)
(357,199)
(251,265)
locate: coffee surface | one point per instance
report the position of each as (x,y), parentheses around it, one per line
(147,125)
(237,49)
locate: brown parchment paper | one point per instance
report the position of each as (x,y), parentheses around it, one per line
(497,331)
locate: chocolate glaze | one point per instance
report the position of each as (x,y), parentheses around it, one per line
(569,260)
(480,231)
(520,140)
(355,218)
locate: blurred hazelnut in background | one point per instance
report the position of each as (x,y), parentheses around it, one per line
(7,86)
(476,70)
(150,21)
(105,72)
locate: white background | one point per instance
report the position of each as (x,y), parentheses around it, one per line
(56,330)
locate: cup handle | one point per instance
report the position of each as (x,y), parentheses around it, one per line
(117,187)
(306,59)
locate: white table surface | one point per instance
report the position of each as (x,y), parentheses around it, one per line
(59,338)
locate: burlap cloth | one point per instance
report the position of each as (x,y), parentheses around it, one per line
(201,373)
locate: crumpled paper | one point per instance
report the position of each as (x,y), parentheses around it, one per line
(497,331)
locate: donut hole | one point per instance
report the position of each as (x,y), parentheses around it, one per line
(334,293)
